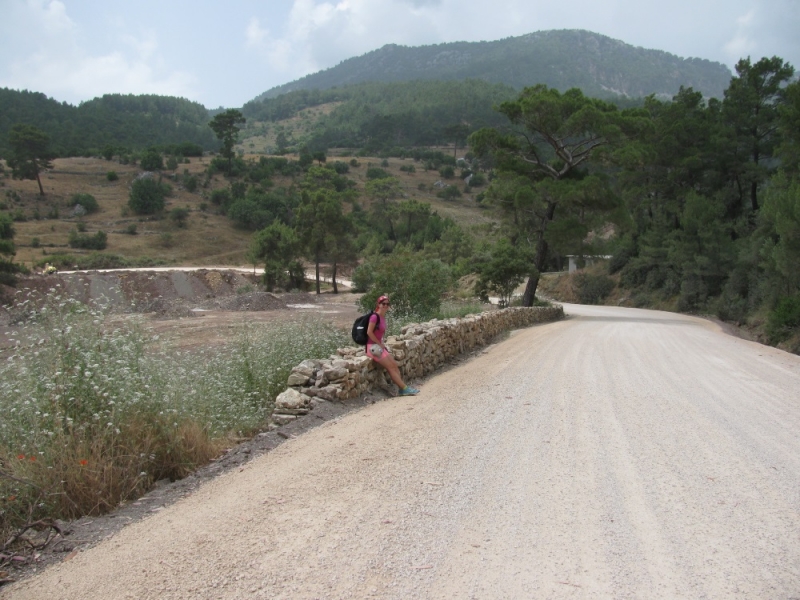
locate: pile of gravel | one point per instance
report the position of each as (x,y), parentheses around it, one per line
(250,301)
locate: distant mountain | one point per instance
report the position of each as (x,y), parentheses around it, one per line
(600,66)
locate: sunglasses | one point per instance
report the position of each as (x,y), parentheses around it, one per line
(385,304)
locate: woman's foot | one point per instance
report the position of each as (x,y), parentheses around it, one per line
(409,391)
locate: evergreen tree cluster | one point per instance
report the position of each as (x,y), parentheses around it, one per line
(114,120)
(704,196)
(378,116)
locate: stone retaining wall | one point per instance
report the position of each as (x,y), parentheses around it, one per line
(420,349)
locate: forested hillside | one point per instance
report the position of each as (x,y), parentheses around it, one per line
(377,116)
(600,66)
(119,121)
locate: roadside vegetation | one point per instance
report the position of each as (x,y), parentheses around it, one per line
(96,409)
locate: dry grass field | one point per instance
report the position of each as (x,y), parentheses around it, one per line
(209,239)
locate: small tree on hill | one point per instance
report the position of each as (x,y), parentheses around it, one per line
(225,128)
(30,153)
(151,161)
(147,196)
(279,248)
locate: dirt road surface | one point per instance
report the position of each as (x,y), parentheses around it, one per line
(620,453)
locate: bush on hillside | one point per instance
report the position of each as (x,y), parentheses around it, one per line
(593,289)
(98,241)
(147,196)
(87,201)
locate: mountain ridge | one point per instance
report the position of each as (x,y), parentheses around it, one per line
(601,66)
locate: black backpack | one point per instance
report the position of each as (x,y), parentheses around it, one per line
(360,328)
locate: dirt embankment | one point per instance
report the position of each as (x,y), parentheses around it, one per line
(195,307)
(165,293)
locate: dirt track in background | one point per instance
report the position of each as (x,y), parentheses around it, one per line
(619,453)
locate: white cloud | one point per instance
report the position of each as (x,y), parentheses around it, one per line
(60,65)
(54,16)
(318,34)
(741,44)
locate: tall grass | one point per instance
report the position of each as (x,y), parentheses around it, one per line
(95,410)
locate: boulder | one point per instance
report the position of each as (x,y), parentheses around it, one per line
(291,399)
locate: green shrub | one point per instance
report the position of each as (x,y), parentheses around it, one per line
(112,176)
(131,229)
(732,307)
(376,173)
(98,241)
(635,272)
(618,260)
(147,196)
(449,193)
(414,284)
(693,294)
(784,319)
(447,172)
(179,216)
(477,180)
(593,289)
(87,201)
(222,198)
(191,183)
(151,161)
(341,167)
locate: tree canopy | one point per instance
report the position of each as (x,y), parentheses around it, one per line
(544,164)
(30,153)
(225,127)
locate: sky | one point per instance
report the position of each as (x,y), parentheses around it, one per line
(225,53)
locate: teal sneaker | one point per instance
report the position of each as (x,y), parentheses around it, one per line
(409,391)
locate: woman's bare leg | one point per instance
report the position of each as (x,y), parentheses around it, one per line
(388,363)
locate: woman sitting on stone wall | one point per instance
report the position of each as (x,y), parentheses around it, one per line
(377,350)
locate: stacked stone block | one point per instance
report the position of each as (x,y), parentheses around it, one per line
(419,350)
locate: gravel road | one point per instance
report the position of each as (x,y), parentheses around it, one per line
(620,453)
